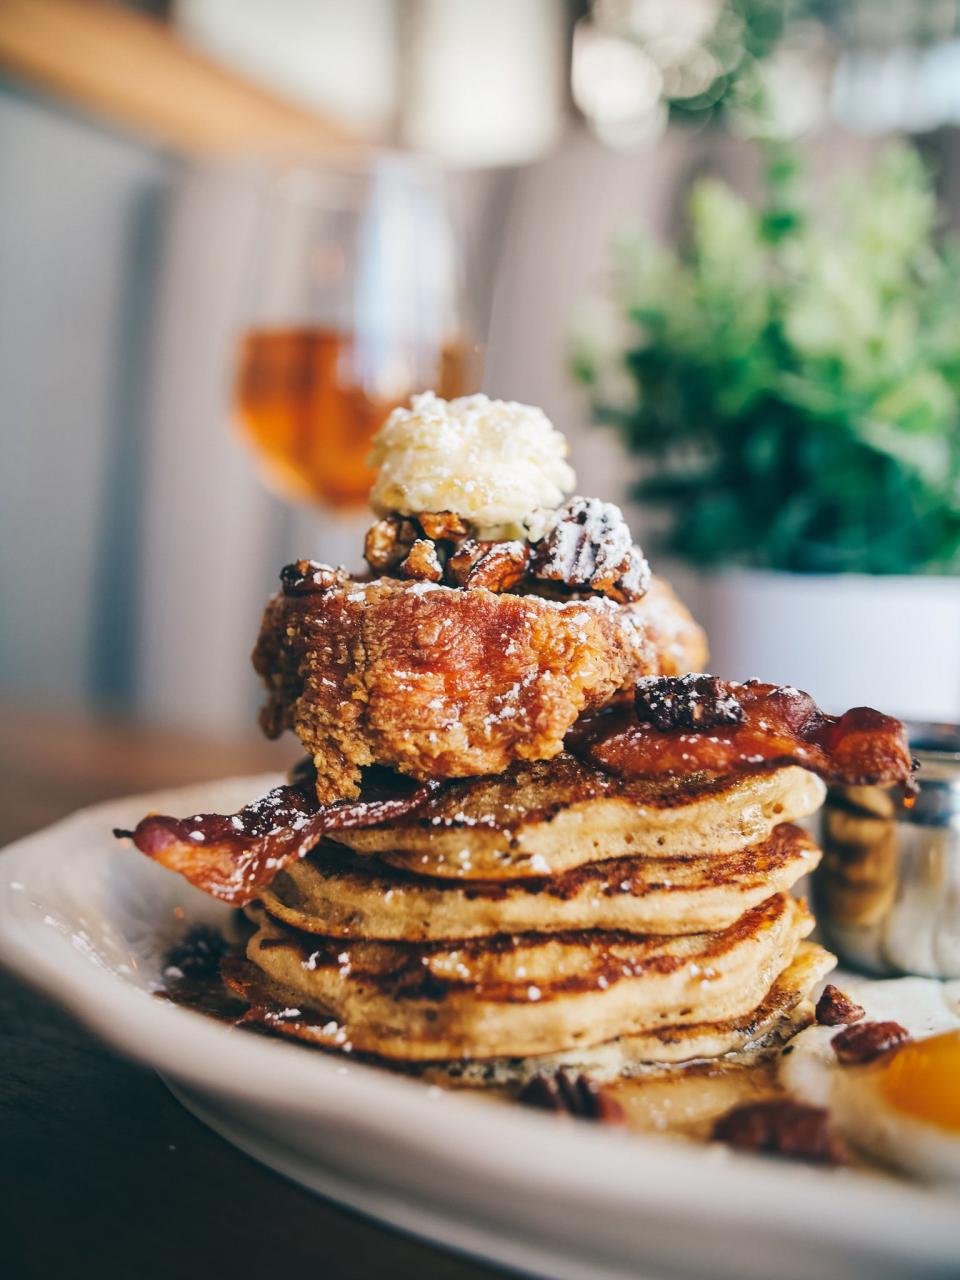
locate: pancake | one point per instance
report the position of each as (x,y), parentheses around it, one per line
(784,1010)
(852,901)
(857,830)
(340,895)
(859,881)
(525,994)
(548,818)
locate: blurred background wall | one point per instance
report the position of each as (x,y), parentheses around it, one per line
(140,148)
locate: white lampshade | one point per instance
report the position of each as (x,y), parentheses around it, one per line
(485,82)
(339,58)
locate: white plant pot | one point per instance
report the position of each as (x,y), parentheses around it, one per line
(847,639)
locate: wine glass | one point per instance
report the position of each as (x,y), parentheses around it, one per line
(355,304)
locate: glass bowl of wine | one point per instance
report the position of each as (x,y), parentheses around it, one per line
(355,303)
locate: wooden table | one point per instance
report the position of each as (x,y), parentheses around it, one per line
(103,1173)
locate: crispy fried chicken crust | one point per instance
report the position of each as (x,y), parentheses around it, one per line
(442,683)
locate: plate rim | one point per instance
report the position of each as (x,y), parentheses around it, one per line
(626,1171)
(442,1228)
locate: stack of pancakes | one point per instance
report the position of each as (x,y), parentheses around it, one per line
(549,916)
(466,882)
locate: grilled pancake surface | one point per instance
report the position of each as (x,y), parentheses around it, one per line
(784,1010)
(548,818)
(340,895)
(529,994)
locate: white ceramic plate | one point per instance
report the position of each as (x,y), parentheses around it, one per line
(88,921)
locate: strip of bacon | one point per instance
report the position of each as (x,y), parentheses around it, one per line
(777,725)
(235,856)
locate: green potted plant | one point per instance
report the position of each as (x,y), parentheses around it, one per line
(791,380)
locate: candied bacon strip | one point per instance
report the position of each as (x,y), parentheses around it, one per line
(779,726)
(235,856)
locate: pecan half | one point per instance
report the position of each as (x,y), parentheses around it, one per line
(498,566)
(868,1040)
(439,525)
(462,561)
(590,547)
(570,1094)
(834,1009)
(421,562)
(388,542)
(692,701)
(308,577)
(784,1128)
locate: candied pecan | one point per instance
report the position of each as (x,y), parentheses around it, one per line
(421,562)
(692,701)
(388,541)
(308,577)
(590,547)
(440,525)
(834,1009)
(498,566)
(784,1128)
(868,1040)
(575,1095)
(462,561)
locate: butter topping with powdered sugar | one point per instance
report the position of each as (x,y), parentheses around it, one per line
(498,464)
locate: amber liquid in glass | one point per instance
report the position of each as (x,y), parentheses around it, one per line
(300,403)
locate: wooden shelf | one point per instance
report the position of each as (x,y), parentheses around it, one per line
(134,73)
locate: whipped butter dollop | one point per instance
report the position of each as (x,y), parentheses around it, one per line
(498,464)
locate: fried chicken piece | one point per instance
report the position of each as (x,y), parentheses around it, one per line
(439,683)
